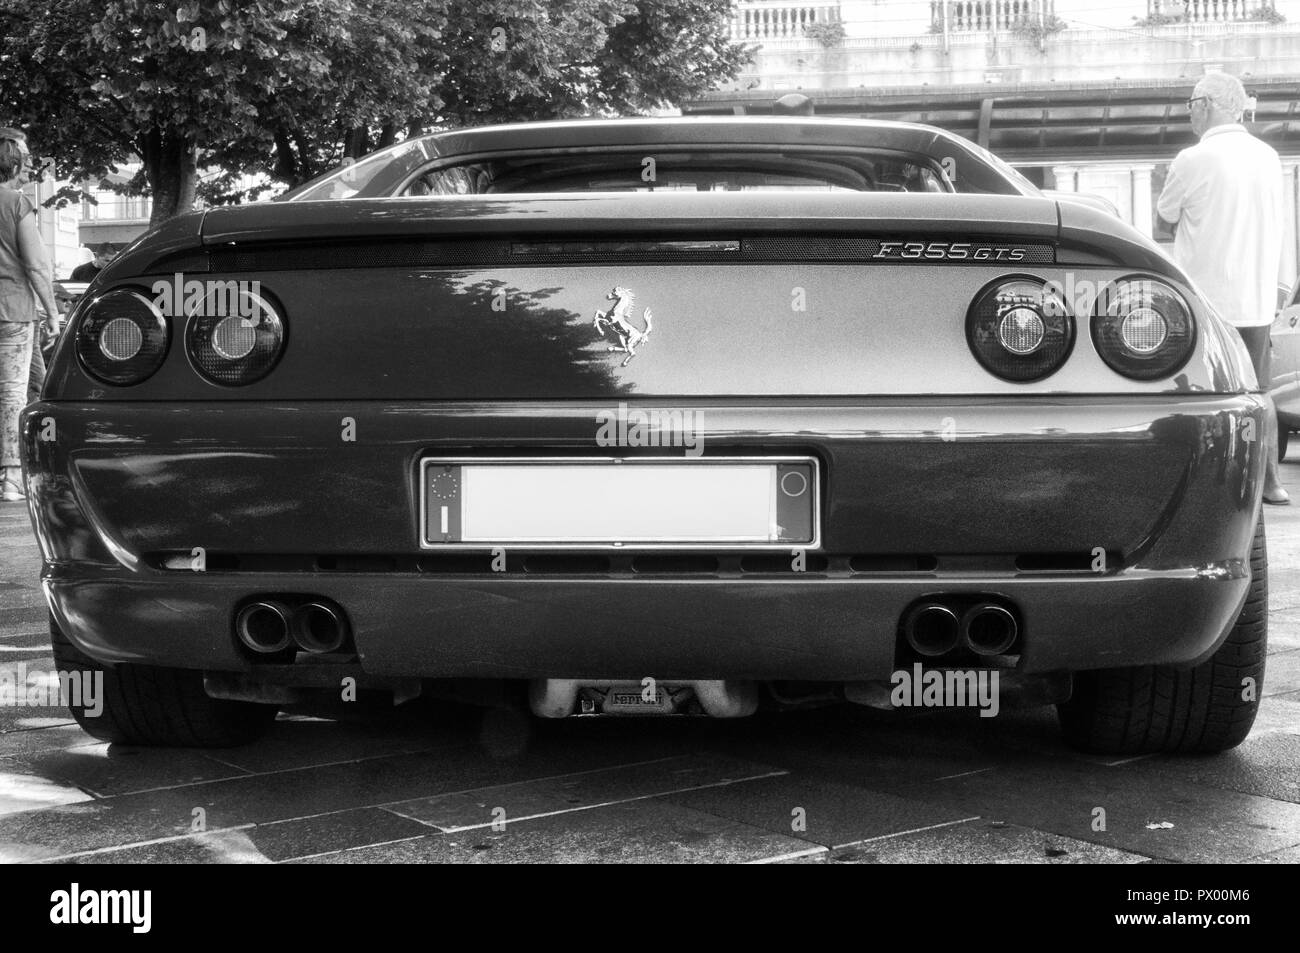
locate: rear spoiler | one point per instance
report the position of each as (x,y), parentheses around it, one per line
(1082,235)
(690,213)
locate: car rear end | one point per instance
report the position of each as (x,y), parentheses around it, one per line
(416,453)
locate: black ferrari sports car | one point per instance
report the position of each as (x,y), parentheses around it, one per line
(656,416)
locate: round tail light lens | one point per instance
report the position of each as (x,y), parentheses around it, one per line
(1019,329)
(235,334)
(122,337)
(234,338)
(1143,331)
(1143,328)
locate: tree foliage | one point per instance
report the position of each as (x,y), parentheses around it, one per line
(289,88)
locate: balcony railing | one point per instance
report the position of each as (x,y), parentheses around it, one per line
(115,209)
(1206,11)
(981,16)
(779,21)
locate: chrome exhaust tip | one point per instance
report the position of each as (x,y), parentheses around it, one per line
(931,629)
(263,627)
(989,629)
(319,628)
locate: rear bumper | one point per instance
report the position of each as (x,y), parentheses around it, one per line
(960,498)
(816,629)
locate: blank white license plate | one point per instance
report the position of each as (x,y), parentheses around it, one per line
(744,502)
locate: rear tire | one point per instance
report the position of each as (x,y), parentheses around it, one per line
(150,705)
(1155,708)
(1283,438)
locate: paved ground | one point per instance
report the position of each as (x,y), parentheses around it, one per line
(840,785)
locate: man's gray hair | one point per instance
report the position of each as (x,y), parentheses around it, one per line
(1224,91)
(9,132)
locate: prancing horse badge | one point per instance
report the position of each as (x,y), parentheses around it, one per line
(618,321)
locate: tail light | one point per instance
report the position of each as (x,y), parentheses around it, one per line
(1019,329)
(122,338)
(235,335)
(1143,328)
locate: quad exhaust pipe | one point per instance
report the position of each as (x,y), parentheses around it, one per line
(988,629)
(933,629)
(263,626)
(319,628)
(269,627)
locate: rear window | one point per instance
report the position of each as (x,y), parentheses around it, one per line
(721,171)
(412,169)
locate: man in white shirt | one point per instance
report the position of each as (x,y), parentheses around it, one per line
(1224,197)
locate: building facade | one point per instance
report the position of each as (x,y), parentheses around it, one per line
(885,43)
(113,217)
(1080,95)
(59,228)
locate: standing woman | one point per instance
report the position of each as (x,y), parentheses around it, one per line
(25,275)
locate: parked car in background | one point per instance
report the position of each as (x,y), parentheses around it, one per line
(66,295)
(68,292)
(1285,387)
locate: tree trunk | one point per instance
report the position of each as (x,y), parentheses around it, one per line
(357,142)
(307,165)
(171,166)
(286,163)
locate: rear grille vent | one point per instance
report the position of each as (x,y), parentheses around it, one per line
(455,563)
(581,564)
(893,563)
(675,564)
(783,563)
(632,564)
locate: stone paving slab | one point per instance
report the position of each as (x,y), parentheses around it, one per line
(295,792)
(1209,824)
(806,807)
(508,803)
(647,832)
(270,843)
(980,842)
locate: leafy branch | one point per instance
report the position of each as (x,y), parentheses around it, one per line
(1029,27)
(826,32)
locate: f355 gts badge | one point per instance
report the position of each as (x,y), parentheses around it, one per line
(617,321)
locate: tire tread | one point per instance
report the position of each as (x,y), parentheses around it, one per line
(1159,708)
(155,706)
